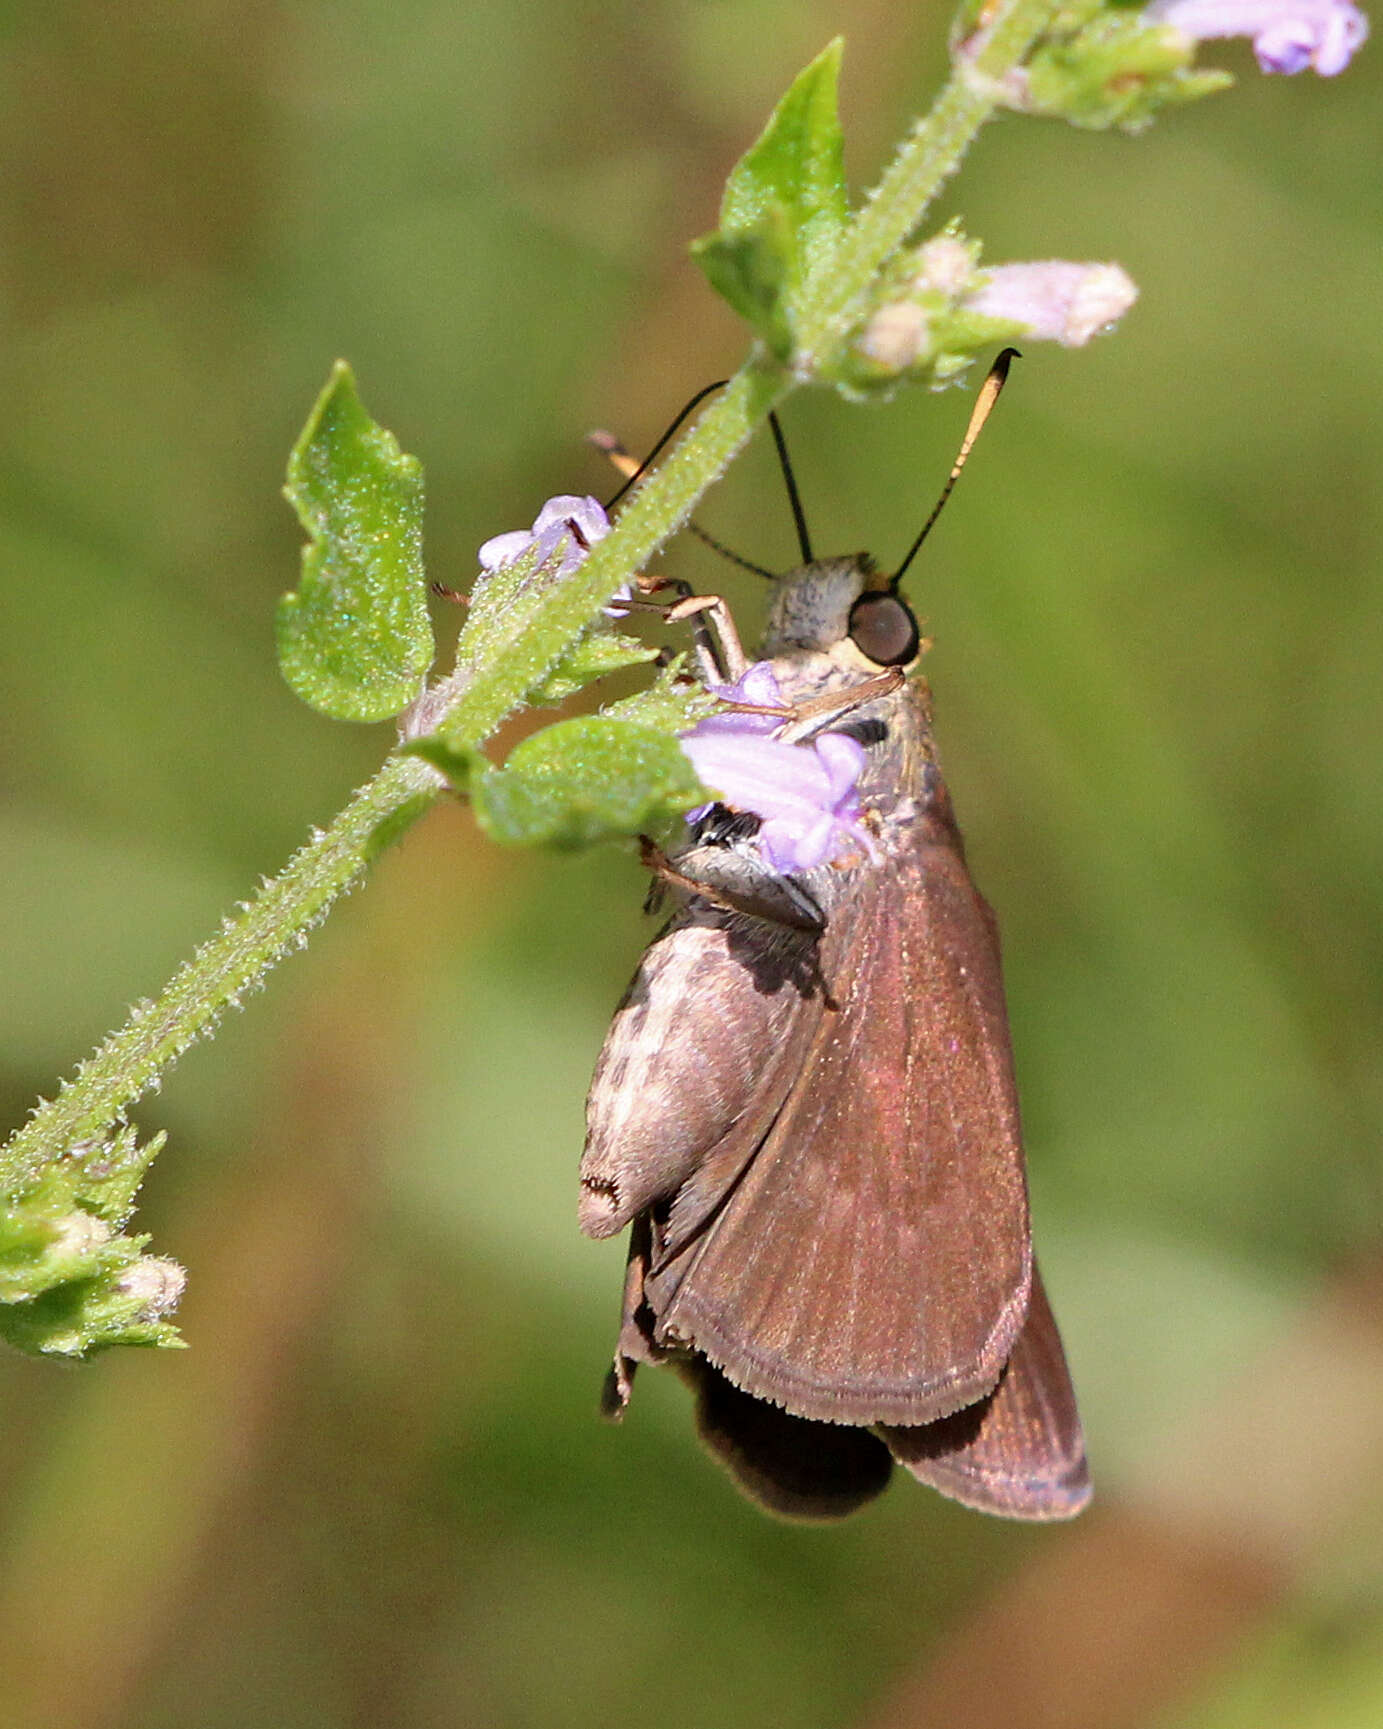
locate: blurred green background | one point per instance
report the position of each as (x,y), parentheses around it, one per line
(374,1491)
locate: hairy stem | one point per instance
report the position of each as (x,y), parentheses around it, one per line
(265,930)
(927,159)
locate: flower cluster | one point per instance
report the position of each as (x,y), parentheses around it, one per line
(805,795)
(943,309)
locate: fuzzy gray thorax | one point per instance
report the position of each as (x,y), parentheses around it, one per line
(811,605)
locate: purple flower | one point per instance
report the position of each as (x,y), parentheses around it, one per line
(566,522)
(757,686)
(1288,35)
(804,794)
(1057,301)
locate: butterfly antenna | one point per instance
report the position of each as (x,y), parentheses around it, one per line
(612,446)
(633,471)
(725,552)
(794,497)
(984,403)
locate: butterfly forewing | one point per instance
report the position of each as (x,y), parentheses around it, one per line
(871,1263)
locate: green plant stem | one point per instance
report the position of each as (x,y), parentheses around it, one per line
(488,682)
(927,159)
(265,930)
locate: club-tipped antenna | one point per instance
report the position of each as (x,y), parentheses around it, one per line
(984,403)
(794,497)
(657,449)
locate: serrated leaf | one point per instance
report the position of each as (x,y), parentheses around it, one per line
(797,164)
(784,205)
(355,639)
(586,780)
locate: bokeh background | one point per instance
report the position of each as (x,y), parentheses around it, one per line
(374,1491)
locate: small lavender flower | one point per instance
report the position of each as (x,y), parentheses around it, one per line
(755,686)
(804,794)
(1057,301)
(1288,35)
(566,522)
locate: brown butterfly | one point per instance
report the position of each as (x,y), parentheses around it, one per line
(805,1109)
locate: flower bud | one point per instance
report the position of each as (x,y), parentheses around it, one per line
(896,336)
(155,1284)
(1056,301)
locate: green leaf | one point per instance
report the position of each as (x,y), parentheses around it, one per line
(672,703)
(753,270)
(1117,71)
(586,780)
(784,207)
(355,640)
(597,653)
(797,165)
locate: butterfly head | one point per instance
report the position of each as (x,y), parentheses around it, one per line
(844,608)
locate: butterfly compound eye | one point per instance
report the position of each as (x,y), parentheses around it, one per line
(884,630)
